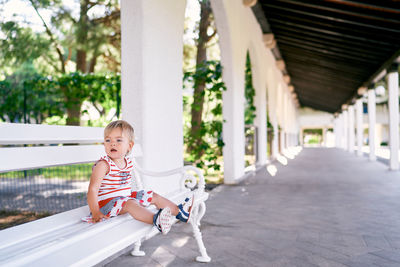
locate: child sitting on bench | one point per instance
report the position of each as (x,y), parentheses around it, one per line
(110,192)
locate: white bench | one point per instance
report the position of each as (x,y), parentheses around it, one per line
(63,239)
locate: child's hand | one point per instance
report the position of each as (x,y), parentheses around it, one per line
(98,217)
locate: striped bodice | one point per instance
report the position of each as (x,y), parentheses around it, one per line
(117,182)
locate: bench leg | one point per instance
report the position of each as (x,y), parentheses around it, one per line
(200,212)
(136,250)
(195,222)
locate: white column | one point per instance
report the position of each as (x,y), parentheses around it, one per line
(154,105)
(233,131)
(301,136)
(282,143)
(393,87)
(233,60)
(345,130)
(335,130)
(275,138)
(342,131)
(371,123)
(324,130)
(284,121)
(350,144)
(261,123)
(359,119)
(339,130)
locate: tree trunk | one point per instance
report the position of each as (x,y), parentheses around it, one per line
(198,95)
(74,104)
(74,112)
(82,36)
(81,61)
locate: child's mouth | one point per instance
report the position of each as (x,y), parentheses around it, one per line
(113,150)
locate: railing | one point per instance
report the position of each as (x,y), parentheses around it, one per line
(56,180)
(251,152)
(53,189)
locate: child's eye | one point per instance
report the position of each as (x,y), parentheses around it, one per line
(107,140)
(119,140)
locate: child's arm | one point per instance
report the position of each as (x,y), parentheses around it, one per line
(100,169)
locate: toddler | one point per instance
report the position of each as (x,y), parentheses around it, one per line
(110,192)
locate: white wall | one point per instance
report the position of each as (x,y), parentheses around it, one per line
(310,118)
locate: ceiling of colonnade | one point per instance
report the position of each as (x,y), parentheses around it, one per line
(332,47)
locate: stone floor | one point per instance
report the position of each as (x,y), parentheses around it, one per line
(326,207)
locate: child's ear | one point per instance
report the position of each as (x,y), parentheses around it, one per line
(131,145)
(130,148)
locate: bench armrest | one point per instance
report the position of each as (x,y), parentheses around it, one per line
(188,179)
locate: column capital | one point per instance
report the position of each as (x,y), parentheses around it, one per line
(249,3)
(361,91)
(394,67)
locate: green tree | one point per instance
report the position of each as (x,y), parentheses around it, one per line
(29,97)
(20,45)
(71,42)
(200,78)
(249,92)
(206,144)
(102,91)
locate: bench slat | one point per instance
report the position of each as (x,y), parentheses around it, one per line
(18,133)
(21,158)
(60,238)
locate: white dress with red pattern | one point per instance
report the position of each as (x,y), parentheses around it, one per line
(115,189)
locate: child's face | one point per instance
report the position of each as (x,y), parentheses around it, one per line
(117,144)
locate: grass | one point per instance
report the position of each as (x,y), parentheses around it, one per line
(68,172)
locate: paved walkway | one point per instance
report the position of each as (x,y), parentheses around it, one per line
(325,208)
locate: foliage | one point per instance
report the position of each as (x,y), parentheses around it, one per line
(40,97)
(270,127)
(314,140)
(21,45)
(312,131)
(102,91)
(70,42)
(207,143)
(29,97)
(250,92)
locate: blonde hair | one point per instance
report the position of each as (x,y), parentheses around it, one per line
(123,125)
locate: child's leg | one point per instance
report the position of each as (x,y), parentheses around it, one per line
(138,212)
(181,211)
(162,219)
(162,202)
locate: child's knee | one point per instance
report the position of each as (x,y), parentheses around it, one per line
(134,203)
(130,204)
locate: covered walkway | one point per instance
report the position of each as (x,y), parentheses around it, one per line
(327,207)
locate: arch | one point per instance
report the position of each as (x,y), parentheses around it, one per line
(260,101)
(233,97)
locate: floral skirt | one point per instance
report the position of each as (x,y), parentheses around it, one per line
(115,205)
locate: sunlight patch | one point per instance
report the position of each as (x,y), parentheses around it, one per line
(180,242)
(282,160)
(272,170)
